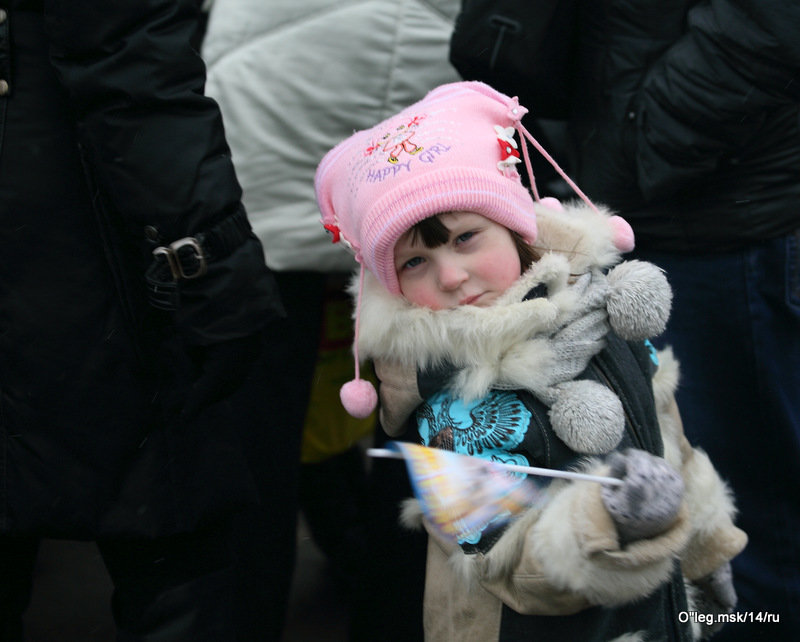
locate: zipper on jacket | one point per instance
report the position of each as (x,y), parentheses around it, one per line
(112,255)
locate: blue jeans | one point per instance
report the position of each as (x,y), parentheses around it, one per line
(735,328)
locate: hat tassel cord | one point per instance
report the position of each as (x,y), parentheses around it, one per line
(525,134)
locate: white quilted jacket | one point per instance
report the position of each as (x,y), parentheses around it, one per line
(295,77)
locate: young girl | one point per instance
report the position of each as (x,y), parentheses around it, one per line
(488,317)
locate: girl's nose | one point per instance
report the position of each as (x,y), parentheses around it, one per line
(451,275)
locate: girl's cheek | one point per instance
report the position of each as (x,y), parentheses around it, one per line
(502,270)
(423,294)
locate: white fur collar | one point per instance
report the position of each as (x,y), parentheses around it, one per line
(581,234)
(490,346)
(392,328)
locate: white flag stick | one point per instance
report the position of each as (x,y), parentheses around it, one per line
(528,470)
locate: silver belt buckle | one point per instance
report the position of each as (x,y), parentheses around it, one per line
(171,253)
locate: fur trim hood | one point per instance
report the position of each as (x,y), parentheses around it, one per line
(393,328)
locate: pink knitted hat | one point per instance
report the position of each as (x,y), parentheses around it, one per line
(452,150)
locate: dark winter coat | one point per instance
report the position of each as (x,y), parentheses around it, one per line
(108,149)
(685,114)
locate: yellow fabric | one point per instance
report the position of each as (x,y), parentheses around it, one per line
(328,429)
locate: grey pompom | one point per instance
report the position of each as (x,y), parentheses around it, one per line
(639,300)
(587,416)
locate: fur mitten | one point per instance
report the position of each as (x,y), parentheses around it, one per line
(714,594)
(648,501)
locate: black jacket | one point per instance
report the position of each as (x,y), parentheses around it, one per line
(685,114)
(108,149)
(688,118)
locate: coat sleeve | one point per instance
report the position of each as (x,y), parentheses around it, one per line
(155,150)
(706,95)
(567,556)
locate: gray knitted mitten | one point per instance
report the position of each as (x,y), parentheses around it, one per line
(585,414)
(576,344)
(647,503)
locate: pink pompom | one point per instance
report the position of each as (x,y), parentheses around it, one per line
(358,398)
(623,234)
(552,203)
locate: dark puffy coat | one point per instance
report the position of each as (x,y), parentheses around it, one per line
(108,148)
(687,118)
(685,114)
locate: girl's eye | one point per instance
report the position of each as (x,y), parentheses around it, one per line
(466,236)
(412,262)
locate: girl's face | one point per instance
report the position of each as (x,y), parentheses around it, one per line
(475,265)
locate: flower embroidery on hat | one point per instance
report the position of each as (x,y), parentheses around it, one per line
(509,153)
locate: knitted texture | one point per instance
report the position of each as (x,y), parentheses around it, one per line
(452,151)
(583,332)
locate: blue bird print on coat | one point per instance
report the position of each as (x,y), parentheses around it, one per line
(489,427)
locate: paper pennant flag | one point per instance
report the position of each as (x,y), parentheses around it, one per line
(461,495)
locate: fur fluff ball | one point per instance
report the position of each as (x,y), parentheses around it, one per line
(639,300)
(587,416)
